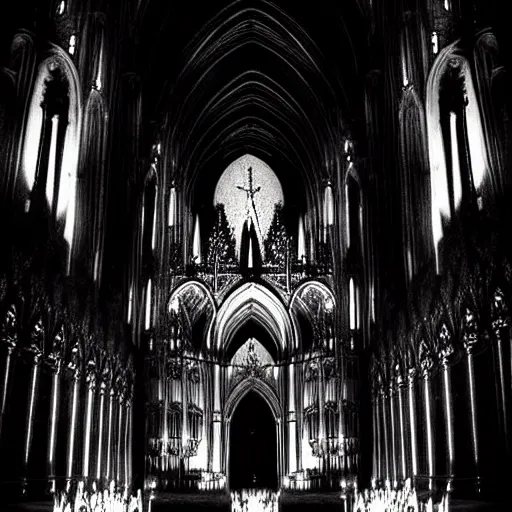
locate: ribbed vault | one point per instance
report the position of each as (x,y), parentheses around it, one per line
(250,80)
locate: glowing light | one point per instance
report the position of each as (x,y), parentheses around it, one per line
(435,43)
(153,234)
(50,181)
(99,76)
(72,44)
(352,304)
(457,183)
(147,323)
(61,8)
(328,206)
(130,304)
(96,265)
(196,244)
(235,200)
(172,207)
(448,5)
(347,216)
(301,244)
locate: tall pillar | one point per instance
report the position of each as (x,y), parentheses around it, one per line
(119,435)
(501,323)
(470,337)
(375,440)
(411,379)
(378,420)
(90,380)
(36,354)
(55,364)
(217,421)
(385,418)
(446,353)
(126,450)
(392,413)
(9,339)
(76,371)
(402,428)
(101,419)
(427,365)
(109,465)
(292,420)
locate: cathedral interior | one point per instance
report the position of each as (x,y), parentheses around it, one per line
(255,244)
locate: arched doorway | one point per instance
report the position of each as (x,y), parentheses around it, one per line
(252,445)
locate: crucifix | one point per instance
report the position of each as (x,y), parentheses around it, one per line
(250,191)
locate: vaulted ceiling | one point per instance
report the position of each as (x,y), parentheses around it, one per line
(282,81)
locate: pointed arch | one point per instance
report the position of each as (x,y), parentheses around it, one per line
(445,170)
(92,186)
(415,183)
(262,305)
(63,192)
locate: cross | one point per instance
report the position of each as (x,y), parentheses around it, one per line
(250,191)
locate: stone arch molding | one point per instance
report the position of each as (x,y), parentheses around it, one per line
(260,303)
(264,389)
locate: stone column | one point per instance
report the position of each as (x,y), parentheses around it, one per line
(446,357)
(100,454)
(109,466)
(35,353)
(9,339)
(217,421)
(75,367)
(90,379)
(427,364)
(501,323)
(411,379)
(55,364)
(292,420)
(402,426)
(470,337)
(386,422)
(395,456)
(120,398)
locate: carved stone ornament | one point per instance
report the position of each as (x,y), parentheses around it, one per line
(36,347)
(500,314)
(469,330)
(74,360)
(54,359)
(410,361)
(446,347)
(398,368)
(9,328)
(426,359)
(312,371)
(329,369)
(173,369)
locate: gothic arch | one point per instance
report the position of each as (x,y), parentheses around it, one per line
(488,69)
(56,57)
(253,384)
(264,306)
(91,201)
(414,181)
(207,295)
(442,200)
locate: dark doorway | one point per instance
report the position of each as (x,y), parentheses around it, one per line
(253,447)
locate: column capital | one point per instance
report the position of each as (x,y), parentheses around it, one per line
(217,416)
(292,416)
